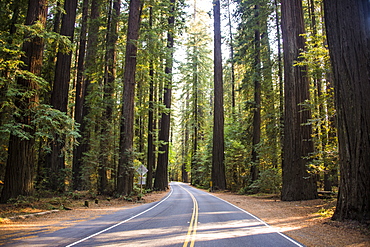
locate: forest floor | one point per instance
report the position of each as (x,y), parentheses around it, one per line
(306,221)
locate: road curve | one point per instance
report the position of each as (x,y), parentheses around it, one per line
(185,217)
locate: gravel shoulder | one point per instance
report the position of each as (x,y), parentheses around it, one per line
(299,220)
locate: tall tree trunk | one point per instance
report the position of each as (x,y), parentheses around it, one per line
(59,98)
(91,68)
(298,184)
(232,59)
(218,158)
(195,164)
(80,99)
(21,155)
(107,147)
(280,77)
(161,174)
(151,127)
(256,136)
(185,147)
(151,121)
(348,32)
(125,172)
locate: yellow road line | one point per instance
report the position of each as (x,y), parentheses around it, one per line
(192,231)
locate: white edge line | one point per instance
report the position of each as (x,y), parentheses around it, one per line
(120,223)
(273,228)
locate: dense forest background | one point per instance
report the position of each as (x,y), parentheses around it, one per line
(250,96)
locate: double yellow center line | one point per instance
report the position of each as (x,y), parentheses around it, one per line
(192,231)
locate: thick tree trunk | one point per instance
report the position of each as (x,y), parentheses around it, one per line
(19,174)
(151,119)
(298,184)
(348,32)
(125,172)
(256,136)
(151,126)
(59,99)
(161,174)
(218,158)
(80,99)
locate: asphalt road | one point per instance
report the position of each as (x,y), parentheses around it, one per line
(185,217)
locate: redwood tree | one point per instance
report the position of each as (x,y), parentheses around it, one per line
(20,166)
(218,157)
(298,184)
(256,136)
(348,34)
(59,97)
(89,69)
(151,119)
(80,98)
(161,175)
(126,152)
(107,131)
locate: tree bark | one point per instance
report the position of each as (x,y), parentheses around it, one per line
(151,120)
(218,158)
(298,184)
(126,153)
(80,99)
(107,130)
(19,174)
(59,98)
(161,174)
(151,127)
(256,136)
(348,33)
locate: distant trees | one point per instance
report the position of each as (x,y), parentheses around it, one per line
(196,103)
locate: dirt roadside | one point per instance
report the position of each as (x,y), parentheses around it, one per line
(299,220)
(302,221)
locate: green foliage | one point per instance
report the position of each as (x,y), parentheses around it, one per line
(192,135)
(51,122)
(22,200)
(269,181)
(321,104)
(236,152)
